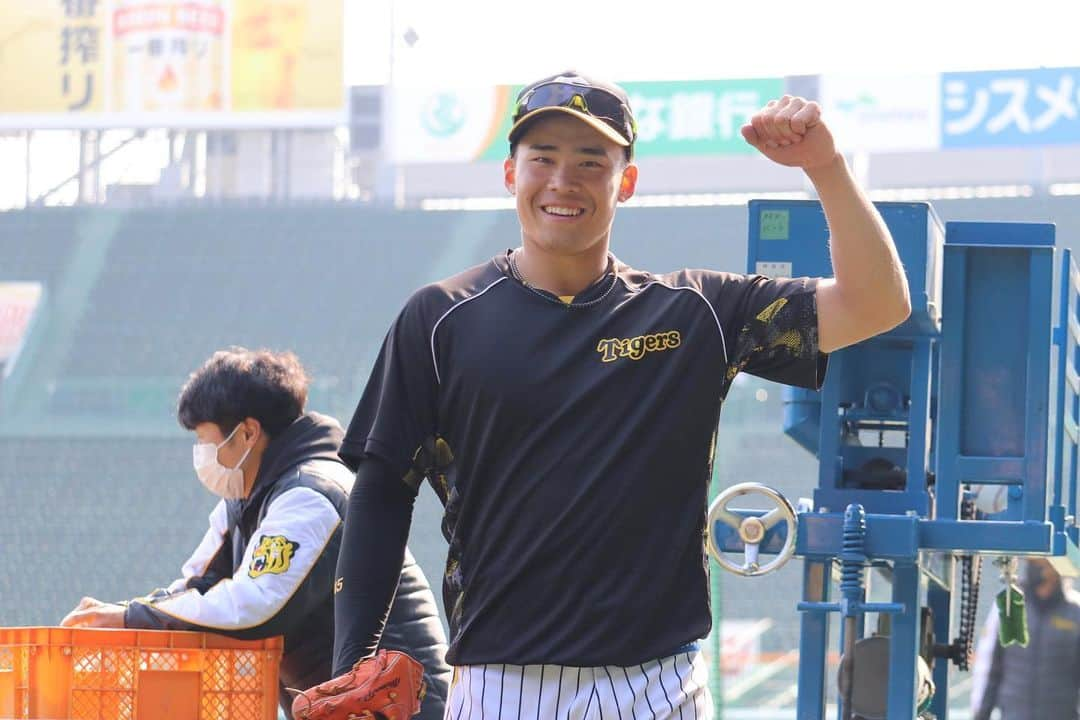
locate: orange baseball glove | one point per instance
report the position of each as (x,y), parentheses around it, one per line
(388,686)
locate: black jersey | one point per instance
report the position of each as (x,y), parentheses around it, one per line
(571,446)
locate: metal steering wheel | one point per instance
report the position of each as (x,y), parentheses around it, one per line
(751,529)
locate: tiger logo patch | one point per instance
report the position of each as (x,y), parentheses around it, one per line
(272,556)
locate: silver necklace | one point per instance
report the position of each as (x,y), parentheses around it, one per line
(517,273)
(549,297)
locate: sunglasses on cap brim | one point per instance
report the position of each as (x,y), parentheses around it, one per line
(593,102)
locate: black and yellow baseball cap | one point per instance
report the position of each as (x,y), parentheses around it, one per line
(602,105)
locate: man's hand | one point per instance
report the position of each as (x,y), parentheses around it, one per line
(869,294)
(94,613)
(789,131)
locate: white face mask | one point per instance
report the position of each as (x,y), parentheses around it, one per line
(215,477)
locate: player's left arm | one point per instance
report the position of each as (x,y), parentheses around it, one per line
(869,293)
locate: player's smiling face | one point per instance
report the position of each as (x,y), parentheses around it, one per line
(568,179)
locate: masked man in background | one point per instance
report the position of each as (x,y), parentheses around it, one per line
(265,567)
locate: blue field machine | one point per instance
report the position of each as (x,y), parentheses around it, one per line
(951,437)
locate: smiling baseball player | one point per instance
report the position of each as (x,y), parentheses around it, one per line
(564,406)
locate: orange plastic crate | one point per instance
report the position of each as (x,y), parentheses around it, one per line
(95,674)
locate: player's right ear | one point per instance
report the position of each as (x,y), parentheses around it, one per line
(628,183)
(509,178)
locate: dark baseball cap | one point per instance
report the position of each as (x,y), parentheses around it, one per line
(602,105)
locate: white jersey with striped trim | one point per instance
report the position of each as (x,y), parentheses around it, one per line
(665,689)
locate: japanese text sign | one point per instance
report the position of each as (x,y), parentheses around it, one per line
(1010,108)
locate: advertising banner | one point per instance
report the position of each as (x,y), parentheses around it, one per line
(883,113)
(674,119)
(700,117)
(1010,108)
(171,63)
(18,302)
(449,125)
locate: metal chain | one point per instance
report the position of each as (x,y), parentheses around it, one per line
(521,278)
(970,578)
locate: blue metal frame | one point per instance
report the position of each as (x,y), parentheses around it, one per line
(790,236)
(976,383)
(897,537)
(939,599)
(814,640)
(991,429)
(1062,509)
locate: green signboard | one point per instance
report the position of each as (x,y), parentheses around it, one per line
(679,118)
(700,117)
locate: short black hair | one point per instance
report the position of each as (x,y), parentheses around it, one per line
(238,383)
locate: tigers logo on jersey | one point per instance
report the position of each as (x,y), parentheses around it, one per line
(635,348)
(273,555)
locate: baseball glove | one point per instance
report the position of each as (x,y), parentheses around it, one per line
(388,686)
